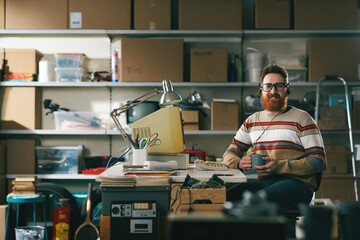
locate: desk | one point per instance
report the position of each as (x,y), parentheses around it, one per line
(158,194)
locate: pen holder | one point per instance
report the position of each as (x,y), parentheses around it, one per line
(139,156)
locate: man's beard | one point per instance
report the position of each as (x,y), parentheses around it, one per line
(274,106)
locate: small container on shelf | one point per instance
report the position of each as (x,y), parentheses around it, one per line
(81,120)
(69,74)
(289,61)
(58,159)
(297,74)
(69,60)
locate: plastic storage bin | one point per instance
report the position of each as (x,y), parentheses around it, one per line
(288,60)
(81,120)
(339,100)
(297,75)
(69,60)
(58,159)
(69,74)
(30,233)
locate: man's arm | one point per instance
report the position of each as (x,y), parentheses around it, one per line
(237,149)
(314,160)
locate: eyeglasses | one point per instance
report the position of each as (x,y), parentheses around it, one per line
(278,86)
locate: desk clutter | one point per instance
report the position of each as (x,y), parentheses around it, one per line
(196,195)
(136,175)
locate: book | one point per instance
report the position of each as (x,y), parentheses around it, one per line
(14,182)
(24,187)
(26,178)
(23,192)
(152,181)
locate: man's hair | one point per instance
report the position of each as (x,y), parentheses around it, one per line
(274,68)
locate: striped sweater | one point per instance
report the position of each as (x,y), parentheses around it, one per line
(292,138)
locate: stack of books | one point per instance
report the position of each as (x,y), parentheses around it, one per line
(145,177)
(24,185)
(120,181)
(132,176)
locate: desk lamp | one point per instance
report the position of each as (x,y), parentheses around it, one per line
(168,98)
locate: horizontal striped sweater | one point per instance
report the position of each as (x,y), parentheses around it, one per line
(292,138)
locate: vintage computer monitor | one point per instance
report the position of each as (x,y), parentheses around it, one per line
(141,110)
(167,123)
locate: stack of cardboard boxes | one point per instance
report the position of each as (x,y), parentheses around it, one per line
(190,120)
(305,14)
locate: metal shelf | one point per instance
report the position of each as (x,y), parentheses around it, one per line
(54,176)
(53,132)
(302,33)
(100,132)
(184,33)
(157,84)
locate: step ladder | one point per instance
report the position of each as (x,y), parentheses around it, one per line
(350,131)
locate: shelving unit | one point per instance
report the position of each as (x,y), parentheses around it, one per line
(238,39)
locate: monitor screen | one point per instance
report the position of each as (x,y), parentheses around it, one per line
(141,110)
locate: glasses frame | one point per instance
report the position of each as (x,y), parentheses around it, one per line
(275,85)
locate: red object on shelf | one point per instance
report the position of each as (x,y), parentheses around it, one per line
(195,154)
(93,171)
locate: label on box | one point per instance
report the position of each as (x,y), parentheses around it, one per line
(75,20)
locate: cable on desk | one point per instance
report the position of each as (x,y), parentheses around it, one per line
(112,156)
(177,197)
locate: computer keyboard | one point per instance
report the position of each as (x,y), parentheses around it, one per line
(212,166)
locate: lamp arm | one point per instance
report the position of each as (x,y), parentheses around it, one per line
(118,111)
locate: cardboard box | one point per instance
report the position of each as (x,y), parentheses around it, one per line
(191,126)
(151,60)
(2,156)
(152,14)
(325,14)
(209,65)
(198,199)
(224,116)
(356,115)
(326,56)
(2,14)
(210,14)
(3,209)
(21,108)
(190,116)
(36,14)
(94,14)
(332,118)
(272,14)
(337,188)
(20,157)
(3,189)
(2,58)
(105,227)
(22,60)
(336,159)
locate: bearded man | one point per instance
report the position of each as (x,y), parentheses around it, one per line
(291,141)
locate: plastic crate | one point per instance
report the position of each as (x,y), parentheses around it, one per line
(297,75)
(58,159)
(69,60)
(288,60)
(69,74)
(338,100)
(81,121)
